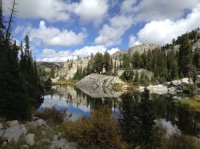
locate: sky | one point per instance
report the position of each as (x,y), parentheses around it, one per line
(64,29)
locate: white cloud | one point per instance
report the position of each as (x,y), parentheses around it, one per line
(54,36)
(51,10)
(133,41)
(127,6)
(133,12)
(50,55)
(148,10)
(162,32)
(111,34)
(90,10)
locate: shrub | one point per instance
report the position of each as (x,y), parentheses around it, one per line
(98,131)
(127,75)
(52,114)
(181,142)
(189,89)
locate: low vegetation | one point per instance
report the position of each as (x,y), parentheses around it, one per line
(97,132)
(193,102)
(65,82)
(53,115)
(180,142)
(126,86)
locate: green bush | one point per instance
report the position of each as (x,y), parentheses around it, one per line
(127,75)
(189,89)
(100,131)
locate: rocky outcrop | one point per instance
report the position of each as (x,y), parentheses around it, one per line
(168,87)
(159,89)
(141,48)
(30,139)
(70,68)
(98,86)
(119,54)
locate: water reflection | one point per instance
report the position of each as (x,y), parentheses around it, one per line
(137,114)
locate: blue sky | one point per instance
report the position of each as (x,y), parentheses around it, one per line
(63,29)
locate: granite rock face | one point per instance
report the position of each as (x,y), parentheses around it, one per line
(141,48)
(69,68)
(98,85)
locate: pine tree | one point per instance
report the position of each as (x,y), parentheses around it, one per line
(185,56)
(98,63)
(107,60)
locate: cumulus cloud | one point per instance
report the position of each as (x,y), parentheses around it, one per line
(148,10)
(91,10)
(133,12)
(54,36)
(162,32)
(111,33)
(51,55)
(51,10)
(133,41)
(60,10)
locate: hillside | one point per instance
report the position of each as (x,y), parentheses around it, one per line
(121,59)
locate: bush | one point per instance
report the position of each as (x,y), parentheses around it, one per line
(98,131)
(189,89)
(52,114)
(127,75)
(181,142)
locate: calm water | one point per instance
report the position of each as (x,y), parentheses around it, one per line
(161,109)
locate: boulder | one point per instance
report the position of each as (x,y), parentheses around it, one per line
(59,144)
(13,132)
(13,123)
(37,123)
(1,126)
(158,89)
(23,129)
(41,122)
(24,146)
(30,139)
(98,85)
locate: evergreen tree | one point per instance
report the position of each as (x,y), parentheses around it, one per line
(136,60)
(136,78)
(185,56)
(98,63)
(107,60)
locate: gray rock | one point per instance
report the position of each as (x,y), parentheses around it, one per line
(59,144)
(1,126)
(24,146)
(23,129)
(43,133)
(98,86)
(13,132)
(55,137)
(142,48)
(41,122)
(13,123)
(37,123)
(30,139)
